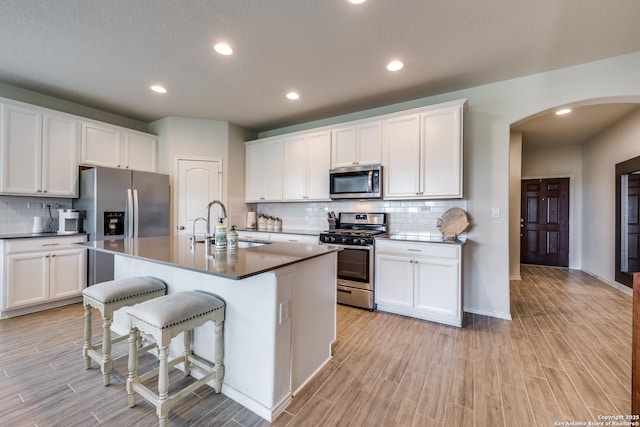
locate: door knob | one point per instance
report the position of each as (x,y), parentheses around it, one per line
(181,227)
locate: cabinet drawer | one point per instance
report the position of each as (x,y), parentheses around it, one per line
(39,244)
(431,250)
(253,235)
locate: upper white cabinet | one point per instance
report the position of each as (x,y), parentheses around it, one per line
(423,153)
(263,171)
(116,147)
(420,151)
(306,166)
(360,144)
(39,152)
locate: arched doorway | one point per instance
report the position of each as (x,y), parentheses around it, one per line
(548,146)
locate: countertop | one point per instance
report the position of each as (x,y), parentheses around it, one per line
(305,232)
(423,238)
(231,264)
(34,235)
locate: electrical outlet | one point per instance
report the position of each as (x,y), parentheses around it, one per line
(31,205)
(425,208)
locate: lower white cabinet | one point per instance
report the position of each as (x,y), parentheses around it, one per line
(307,239)
(421,280)
(41,270)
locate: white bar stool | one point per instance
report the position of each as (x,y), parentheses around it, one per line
(164,318)
(109,297)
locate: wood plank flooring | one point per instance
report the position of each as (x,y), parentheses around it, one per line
(565,356)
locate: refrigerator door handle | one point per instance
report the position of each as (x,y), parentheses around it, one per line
(129,214)
(135,213)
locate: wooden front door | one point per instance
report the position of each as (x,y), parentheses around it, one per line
(544,232)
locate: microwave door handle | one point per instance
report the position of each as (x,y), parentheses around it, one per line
(370,181)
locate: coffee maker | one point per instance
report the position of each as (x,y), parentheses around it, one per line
(68,221)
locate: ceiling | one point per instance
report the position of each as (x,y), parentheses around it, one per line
(577,127)
(106,53)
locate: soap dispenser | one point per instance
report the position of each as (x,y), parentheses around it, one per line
(232,238)
(221,236)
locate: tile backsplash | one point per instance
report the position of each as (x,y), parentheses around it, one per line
(404,217)
(17,212)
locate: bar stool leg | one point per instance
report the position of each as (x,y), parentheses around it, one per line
(187,352)
(107,363)
(163,385)
(133,366)
(87,337)
(219,354)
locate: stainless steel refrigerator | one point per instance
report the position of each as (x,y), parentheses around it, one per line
(117,204)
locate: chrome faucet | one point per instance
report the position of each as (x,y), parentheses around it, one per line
(193,231)
(224,214)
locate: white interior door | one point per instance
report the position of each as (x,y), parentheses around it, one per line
(199,182)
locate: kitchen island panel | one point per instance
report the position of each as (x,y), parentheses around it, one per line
(279,325)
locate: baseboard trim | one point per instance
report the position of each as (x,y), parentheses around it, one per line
(499,315)
(622,288)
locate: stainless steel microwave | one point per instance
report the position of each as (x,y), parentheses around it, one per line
(356,182)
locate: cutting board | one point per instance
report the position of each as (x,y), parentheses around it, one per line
(453,222)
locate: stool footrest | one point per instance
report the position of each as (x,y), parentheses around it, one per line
(148,394)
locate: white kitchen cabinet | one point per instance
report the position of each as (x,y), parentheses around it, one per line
(423,153)
(421,280)
(294,238)
(263,173)
(40,273)
(306,166)
(307,239)
(359,144)
(39,152)
(116,147)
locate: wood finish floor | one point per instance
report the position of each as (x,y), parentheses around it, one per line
(566,356)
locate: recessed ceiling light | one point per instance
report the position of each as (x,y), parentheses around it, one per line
(395,66)
(223,49)
(563,111)
(158,89)
(357,1)
(293,95)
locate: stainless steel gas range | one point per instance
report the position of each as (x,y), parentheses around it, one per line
(356,236)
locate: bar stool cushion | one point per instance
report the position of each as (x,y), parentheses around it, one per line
(175,309)
(123,289)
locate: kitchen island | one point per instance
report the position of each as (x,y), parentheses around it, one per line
(280,314)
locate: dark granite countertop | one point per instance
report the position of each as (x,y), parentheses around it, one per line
(33,235)
(305,232)
(232,264)
(423,238)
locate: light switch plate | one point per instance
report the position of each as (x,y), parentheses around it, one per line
(495,212)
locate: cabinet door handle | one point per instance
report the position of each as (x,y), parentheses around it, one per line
(343,291)
(414,250)
(50,244)
(53,255)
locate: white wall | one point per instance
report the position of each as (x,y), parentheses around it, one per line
(560,162)
(180,137)
(600,155)
(492,110)
(515,174)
